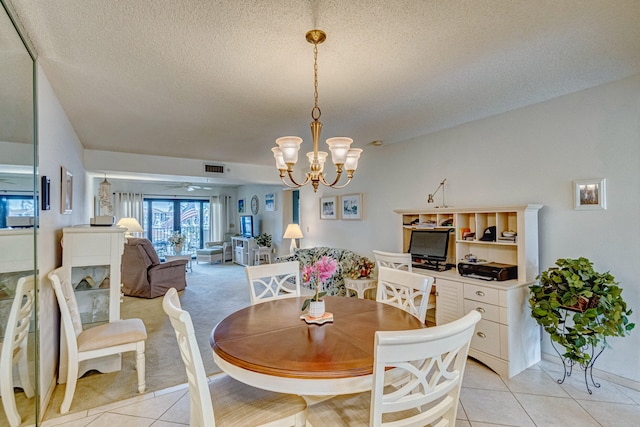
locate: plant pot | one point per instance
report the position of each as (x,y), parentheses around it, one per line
(177,249)
(316,308)
(583,304)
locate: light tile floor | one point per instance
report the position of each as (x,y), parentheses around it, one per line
(532,398)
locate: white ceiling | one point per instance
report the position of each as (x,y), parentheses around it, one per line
(221,80)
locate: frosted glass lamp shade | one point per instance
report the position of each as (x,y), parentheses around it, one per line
(322,157)
(131,224)
(339,148)
(277,153)
(352,159)
(289,146)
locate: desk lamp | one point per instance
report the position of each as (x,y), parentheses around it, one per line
(430,198)
(293,232)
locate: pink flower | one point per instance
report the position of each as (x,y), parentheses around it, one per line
(320,270)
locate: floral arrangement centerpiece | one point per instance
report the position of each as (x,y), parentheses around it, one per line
(177,239)
(362,269)
(315,275)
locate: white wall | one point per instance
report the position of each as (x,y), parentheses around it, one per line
(268,222)
(530,155)
(58,146)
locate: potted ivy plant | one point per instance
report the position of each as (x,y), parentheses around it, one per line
(579,308)
(264,240)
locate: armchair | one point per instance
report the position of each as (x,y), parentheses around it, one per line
(220,250)
(144,276)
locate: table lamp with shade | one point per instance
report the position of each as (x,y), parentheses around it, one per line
(131,224)
(293,232)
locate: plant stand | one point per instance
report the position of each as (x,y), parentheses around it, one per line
(568,364)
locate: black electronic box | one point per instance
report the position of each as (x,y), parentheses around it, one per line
(488,271)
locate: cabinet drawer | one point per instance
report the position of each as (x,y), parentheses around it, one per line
(479,293)
(488,311)
(486,337)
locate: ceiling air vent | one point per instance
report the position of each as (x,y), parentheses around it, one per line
(213,169)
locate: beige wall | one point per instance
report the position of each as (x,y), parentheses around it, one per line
(58,146)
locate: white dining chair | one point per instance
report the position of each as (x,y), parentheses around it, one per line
(223,401)
(14,349)
(273,281)
(401,261)
(107,339)
(405,290)
(433,359)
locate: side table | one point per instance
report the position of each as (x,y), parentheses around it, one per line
(360,285)
(168,257)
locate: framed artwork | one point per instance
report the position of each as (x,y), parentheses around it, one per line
(329,207)
(270,202)
(590,194)
(241,204)
(351,206)
(66,191)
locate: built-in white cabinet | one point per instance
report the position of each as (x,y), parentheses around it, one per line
(242,249)
(94,256)
(506,339)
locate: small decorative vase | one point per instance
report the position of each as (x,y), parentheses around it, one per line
(316,308)
(177,249)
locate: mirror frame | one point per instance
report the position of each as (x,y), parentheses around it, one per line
(7,8)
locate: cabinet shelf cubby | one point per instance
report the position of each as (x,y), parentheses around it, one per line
(507,339)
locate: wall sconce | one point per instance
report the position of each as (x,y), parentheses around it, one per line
(430,198)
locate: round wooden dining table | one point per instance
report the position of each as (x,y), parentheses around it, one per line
(269,346)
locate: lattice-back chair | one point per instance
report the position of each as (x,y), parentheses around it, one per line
(107,339)
(405,290)
(234,403)
(14,348)
(401,261)
(433,360)
(273,281)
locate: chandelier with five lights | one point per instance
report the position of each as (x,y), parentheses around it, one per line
(343,156)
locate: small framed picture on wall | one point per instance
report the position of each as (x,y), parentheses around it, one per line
(241,205)
(66,191)
(270,202)
(590,194)
(351,206)
(329,207)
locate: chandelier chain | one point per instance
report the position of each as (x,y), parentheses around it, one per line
(315,112)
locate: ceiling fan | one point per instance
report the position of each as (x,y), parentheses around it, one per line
(189,186)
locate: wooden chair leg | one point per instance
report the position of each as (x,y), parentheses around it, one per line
(140,367)
(9,400)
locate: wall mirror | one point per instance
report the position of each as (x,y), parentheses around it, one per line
(18,216)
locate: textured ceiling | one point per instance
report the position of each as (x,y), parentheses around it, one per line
(221,80)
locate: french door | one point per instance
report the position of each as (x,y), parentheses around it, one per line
(189,217)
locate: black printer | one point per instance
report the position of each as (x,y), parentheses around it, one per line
(488,271)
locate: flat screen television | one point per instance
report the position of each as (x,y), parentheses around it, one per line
(429,248)
(246,225)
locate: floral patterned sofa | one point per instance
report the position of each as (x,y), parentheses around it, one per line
(348,265)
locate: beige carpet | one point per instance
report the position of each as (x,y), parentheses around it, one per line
(213,292)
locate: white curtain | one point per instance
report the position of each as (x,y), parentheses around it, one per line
(129,205)
(218,217)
